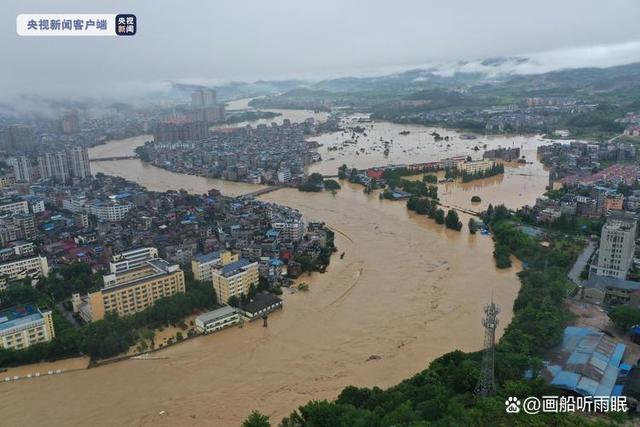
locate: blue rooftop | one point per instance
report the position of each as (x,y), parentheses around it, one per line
(587,362)
(234,267)
(273,233)
(204,258)
(19,315)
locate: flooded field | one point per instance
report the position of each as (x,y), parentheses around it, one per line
(407,290)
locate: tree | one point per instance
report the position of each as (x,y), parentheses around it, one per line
(342,172)
(233,301)
(439,216)
(473,227)
(256,419)
(476,199)
(331,184)
(625,316)
(452,220)
(430,179)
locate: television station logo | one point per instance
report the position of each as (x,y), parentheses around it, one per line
(77,24)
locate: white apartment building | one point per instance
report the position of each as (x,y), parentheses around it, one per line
(14,207)
(292,229)
(617,246)
(34,267)
(110,211)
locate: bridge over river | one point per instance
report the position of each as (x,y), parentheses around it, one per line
(108,159)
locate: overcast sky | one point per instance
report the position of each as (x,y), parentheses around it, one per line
(208,41)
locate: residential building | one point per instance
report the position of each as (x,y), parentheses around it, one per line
(54,165)
(74,204)
(178,129)
(613,202)
(25,325)
(617,246)
(79,162)
(477,166)
(284,175)
(33,267)
(112,210)
(8,180)
(217,319)
(291,229)
(131,291)
(21,168)
(132,258)
(70,122)
(27,225)
(81,220)
(14,206)
(201,265)
(19,137)
(234,279)
(36,204)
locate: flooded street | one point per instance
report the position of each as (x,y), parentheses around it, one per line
(407,291)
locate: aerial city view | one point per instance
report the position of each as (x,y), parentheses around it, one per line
(340,213)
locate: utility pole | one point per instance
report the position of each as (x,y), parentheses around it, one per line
(487,382)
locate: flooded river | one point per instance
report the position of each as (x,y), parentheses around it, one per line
(407,291)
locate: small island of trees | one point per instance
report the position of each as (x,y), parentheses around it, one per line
(476,199)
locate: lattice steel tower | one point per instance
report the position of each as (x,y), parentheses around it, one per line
(487,383)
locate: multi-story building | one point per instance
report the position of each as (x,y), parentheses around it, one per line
(27,225)
(36,204)
(452,162)
(617,246)
(23,326)
(14,206)
(75,203)
(234,279)
(19,137)
(290,229)
(613,202)
(111,210)
(217,319)
(70,122)
(54,165)
(7,180)
(131,291)
(21,168)
(476,166)
(175,129)
(132,258)
(79,164)
(201,265)
(81,220)
(33,267)
(284,175)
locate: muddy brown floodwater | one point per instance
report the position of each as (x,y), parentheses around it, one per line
(407,290)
